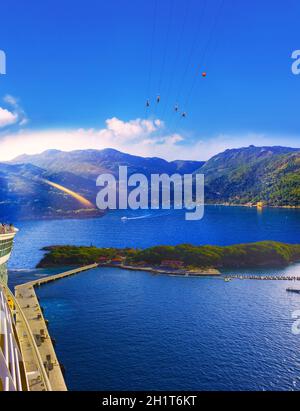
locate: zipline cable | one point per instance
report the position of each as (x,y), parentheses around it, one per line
(165,52)
(204,54)
(149,86)
(192,51)
(177,54)
(215,45)
(177,105)
(202,59)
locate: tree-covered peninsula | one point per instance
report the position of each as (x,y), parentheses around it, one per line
(184,256)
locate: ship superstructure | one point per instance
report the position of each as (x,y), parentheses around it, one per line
(7,235)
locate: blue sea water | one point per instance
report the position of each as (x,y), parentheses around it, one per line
(220,225)
(130,330)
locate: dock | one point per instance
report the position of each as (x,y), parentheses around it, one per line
(55,277)
(44,372)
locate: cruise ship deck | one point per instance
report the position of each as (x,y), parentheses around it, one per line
(28,361)
(12,371)
(21,365)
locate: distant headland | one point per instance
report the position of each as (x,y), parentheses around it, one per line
(180,259)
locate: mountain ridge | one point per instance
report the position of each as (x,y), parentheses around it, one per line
(247,175)
(90,163)
(254,174)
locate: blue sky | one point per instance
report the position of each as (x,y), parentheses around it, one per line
(79,73)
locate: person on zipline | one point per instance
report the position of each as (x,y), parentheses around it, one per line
(158,99)
(147,103)
(176,108)
(183,114)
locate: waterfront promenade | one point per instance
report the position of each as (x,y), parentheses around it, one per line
(30,308)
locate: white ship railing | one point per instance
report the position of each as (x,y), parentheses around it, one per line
(10,355)
(37,356)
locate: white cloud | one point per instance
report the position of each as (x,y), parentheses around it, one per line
(135,136)
(142,137)
(9,99)
(7,117)
(131,129)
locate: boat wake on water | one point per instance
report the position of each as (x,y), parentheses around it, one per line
(135,218)
(124,218)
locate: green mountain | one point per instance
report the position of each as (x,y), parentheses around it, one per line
(254,174)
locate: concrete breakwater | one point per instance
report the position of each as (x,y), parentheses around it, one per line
(205,272)
(262,277)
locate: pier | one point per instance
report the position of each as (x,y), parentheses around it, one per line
(43,369)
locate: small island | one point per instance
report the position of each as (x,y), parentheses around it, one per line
(183,259)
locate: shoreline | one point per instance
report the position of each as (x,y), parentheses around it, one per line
(290,207)
(155,270)
(181,259)
(90,217)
